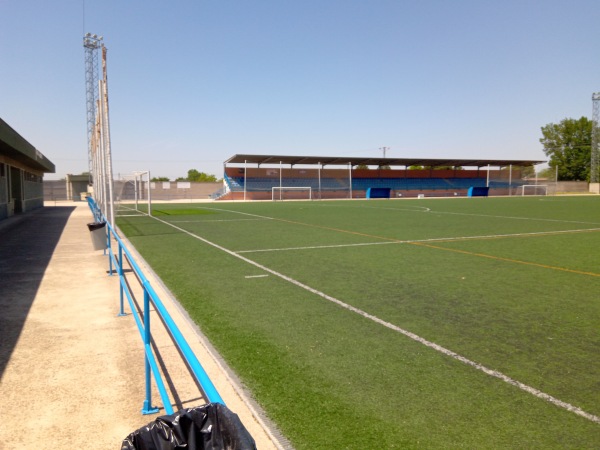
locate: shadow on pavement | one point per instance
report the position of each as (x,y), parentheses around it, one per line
(25,252)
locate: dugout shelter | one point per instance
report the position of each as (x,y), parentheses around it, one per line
(22,169)
(280,177)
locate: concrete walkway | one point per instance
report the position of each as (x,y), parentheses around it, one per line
(71,371)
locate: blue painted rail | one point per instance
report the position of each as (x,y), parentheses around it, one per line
(143,323)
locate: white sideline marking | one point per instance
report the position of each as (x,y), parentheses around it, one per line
(493,373)
(256,276)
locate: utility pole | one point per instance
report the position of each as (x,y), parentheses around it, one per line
(385,149)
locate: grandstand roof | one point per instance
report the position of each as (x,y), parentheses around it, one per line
(353,160)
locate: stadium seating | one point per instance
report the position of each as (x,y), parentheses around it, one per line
(262,184)
(238,184)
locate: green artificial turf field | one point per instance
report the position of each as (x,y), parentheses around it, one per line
(430,323)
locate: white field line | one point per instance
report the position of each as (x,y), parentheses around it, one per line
(413,336)
(315,247)
(429,210)
(422,209)
(217,220)
(450,239)
(256,276)
(238,212)
(124,206)
(518,218)
(413,241)
(418,209)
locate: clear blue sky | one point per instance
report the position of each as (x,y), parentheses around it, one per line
(192,83)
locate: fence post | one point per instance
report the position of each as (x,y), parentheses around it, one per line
(147,408)
(110,252)
(121,280)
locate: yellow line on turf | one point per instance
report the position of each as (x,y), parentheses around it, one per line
(499,258)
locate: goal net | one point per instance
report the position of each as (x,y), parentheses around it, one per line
(133,195)
(291,193)
(534,189)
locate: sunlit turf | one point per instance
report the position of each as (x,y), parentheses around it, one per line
(517,293)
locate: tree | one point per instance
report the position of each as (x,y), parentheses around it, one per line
(361,167)
(548,173)
(160,179)
(194,175)
(527,172)
(568,144)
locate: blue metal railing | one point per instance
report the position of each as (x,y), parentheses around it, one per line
(143,323)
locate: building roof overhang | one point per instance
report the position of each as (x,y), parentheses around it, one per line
(13,145)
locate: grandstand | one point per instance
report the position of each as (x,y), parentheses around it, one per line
(266,177)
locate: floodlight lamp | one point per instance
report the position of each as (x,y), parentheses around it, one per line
(95,36)
(88,34)
(100,38)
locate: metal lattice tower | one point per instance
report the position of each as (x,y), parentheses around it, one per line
(595,162)
(91,44)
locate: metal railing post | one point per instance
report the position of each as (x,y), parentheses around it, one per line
(147,408)
(120,269)
(109,248)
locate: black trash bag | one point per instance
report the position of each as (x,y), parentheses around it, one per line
(209,427)
(96,225)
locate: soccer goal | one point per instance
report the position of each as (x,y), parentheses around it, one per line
(291,193)
(534,189)
(133,194)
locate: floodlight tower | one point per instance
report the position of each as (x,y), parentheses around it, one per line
(595,162)
(91,43)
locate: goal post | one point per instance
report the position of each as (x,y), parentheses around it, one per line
(291,193)
(534,189)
